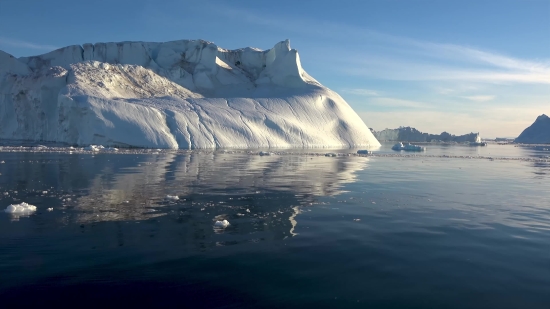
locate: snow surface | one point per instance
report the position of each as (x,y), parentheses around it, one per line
(181,94)
(22,208)
(537,133)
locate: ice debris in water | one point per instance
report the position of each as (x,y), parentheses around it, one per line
(222,224)
(50,209)
(94,148)
(172,197)
(20,208)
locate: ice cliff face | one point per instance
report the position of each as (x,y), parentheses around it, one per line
(180,94)
(537,133)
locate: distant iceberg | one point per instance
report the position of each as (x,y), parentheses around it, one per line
(407,147)
(181,94)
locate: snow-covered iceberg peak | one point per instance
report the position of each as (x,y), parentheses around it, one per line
(179,94)
(210,65)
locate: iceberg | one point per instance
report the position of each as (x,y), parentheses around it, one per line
(182,94)
(22,208)
(172,197)
(221,224)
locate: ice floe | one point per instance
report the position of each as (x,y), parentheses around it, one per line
(22,208)
(221,224)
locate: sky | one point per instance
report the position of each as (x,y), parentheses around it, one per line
(436,65)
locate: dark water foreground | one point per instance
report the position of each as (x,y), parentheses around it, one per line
(344,232)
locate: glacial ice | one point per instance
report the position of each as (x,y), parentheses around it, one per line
(172,197)
(22,208)
(180,95)
(221,224)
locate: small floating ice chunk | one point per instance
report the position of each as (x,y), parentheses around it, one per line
(407,147)
(172,197)
(222,224)
(50,209)
(94,148)
(20,208)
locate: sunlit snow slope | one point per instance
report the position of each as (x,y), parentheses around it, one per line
(180,94)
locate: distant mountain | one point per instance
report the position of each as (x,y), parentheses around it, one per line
(537,133)
(408,134)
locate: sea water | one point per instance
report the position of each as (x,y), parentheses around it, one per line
(452,227)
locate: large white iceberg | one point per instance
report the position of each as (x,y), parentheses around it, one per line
(180,94)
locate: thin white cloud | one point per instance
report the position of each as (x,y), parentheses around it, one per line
(479,98)
(384,67)
(428,60)
(23,44)
(361,92)
(394,102)
(455,88)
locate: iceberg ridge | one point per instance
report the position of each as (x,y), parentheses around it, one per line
(180,94)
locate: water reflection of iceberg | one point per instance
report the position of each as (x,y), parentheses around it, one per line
(255,193)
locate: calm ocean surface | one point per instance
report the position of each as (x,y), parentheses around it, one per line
(305,231)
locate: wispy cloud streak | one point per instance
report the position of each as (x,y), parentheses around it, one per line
(479,98)
(361,92)
(24,44)
(422,59)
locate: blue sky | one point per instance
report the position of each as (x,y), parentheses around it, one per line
(456,66)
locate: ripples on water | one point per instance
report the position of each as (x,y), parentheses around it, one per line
(384,232)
